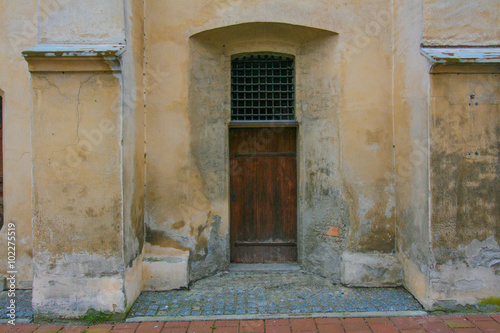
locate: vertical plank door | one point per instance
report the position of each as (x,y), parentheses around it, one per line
(263,194)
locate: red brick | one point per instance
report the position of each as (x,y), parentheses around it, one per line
(48,329)
(5,328)
(174,330)
(486,326)
(253,323)
(451,317)
(101,328)
(226,323)
(414,331)
(73,329)
(97,330)
(458,322)
(105,326)
(24,328)
(440,327)
(429,319)
(123,330)
(354,324)
(150,327)
(183,324)
(467,330)
(277,322)
(254,326)
(200,327)
(300,325)
(478,317)
(359,331)
(406,323)
(277,329)
(227,329)
(496,317)
(383,328)
(331,328)
(378,320)
(125,325)
(327,321)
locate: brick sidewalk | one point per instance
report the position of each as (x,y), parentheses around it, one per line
(448,324)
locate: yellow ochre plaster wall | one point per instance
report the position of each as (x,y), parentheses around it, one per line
(128,157)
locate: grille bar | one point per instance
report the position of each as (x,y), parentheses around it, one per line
(262,88)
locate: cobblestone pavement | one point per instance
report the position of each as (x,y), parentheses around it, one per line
(267,294)
(22,302)
(450,324)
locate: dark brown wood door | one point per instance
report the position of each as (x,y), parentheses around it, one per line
(263,194)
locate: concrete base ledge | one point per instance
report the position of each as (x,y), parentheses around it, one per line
(160,272)
(70,297)
(371,270)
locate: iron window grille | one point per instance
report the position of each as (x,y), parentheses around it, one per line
(262,88)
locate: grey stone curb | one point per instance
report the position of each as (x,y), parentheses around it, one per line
(18,321)
(281,316)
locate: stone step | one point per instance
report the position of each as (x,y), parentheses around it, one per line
(288,267)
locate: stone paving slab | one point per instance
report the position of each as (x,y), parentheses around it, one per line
(450,324)
(22,299)
(250,295)
(237,294)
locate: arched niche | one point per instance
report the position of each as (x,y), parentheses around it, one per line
(317,109)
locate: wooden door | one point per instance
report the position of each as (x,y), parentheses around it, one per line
(263,195)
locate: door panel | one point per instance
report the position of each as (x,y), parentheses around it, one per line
(263,186)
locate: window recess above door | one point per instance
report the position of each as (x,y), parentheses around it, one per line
(263,87)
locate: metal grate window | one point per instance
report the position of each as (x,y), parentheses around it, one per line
(262,88)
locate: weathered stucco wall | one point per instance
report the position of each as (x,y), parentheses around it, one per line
(18,26)
(398,159)
(344,106)
(81,22)
(465,186)
(411,91)
(133,148)
(88,162)
(464,146)
(461,22)
(446,154)
(77,198)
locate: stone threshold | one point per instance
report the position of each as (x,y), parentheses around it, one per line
(289,267)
